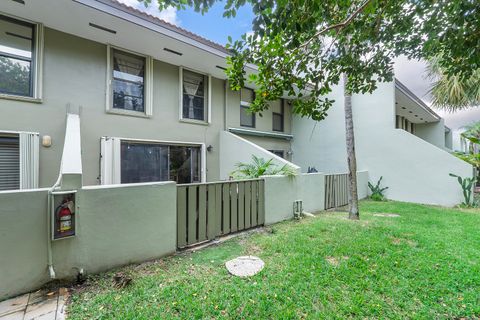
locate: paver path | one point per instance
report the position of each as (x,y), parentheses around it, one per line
(38,305)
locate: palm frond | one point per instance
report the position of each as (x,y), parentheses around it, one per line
(453,92)
(260,167)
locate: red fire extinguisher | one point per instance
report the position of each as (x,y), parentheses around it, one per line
(64,216)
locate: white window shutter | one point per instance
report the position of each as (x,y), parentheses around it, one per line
(110,161)
(29,149)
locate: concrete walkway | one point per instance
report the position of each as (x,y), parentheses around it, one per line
(38,305)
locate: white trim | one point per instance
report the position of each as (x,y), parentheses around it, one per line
(208,105)
(180,93)
(258,133)
(108,9)
(203,163)
(209,101)
(17,132)
(38,73)
(29,150)
(148,85)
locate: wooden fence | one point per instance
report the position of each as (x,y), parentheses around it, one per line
(209,210)
(336,190)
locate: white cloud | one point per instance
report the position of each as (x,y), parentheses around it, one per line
(169,15)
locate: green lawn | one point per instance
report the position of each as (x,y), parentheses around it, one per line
(424,264)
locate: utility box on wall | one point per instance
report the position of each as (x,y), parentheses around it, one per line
(63,220)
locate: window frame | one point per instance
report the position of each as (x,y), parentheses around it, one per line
(246,105)
(147,86)
(208,95)
(29,165)
(36,72)
(110,160)
(282,115)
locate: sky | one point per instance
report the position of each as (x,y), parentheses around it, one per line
(216,28)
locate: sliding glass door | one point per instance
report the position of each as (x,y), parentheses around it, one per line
(149,162)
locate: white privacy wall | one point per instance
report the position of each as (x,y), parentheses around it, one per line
(413,169)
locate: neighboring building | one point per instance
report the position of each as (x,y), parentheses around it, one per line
(155,105)
(396,136)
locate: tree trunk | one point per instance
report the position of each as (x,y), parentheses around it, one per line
(352,160)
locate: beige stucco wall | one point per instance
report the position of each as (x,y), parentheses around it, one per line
(112,230)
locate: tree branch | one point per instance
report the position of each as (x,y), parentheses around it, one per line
(340,25)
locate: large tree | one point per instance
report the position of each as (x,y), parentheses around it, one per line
(304,47)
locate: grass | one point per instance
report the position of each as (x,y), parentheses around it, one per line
(424,264)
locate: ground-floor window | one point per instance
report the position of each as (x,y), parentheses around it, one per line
(149,162)
(9,162)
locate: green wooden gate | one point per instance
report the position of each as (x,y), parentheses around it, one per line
(208,210)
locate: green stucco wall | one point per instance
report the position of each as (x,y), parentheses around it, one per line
(74,78)
(112,230)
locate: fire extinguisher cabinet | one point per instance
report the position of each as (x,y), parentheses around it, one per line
(63,219)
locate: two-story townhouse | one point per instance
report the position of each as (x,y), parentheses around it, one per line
(155,105)
(152,97)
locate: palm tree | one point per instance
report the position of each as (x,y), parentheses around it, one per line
(261,167)
(453,93)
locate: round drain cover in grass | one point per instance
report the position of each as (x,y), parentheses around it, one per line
(245,266)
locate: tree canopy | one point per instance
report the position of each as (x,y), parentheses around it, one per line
(304,46)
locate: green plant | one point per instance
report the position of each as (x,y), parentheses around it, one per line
(467,188)
(377,191)
(261,167)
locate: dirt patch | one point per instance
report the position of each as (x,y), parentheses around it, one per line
(396,241)
(387,215)
(253,249)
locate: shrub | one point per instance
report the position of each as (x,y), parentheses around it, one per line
(260,167)
(377,191)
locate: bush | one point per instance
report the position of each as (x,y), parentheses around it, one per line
(377,191)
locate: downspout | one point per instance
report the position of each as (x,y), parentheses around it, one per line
(51,271)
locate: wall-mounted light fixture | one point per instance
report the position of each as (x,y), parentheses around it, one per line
(209,148)
(46,141)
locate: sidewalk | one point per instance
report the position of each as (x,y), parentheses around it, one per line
(38,305)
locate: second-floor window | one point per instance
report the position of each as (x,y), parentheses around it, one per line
(194,95)
(128,81)
(18,57)
(247,118)
(278,116)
